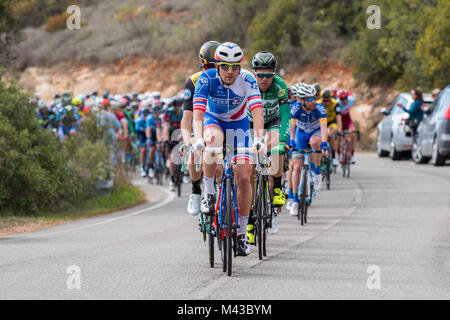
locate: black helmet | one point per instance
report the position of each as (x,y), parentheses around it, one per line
(264,60)
(326,94)
(207,52)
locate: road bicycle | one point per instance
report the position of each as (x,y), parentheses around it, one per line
(346,155)
(226,216)
(326,168)
(263,210)
(306,187)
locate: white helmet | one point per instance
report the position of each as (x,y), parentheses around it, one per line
(303,90)
(229,52)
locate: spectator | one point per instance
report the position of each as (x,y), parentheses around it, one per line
(415,111)
(435,94)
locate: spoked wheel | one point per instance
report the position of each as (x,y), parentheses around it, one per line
(229,237)
(259,217)
(328,173)
(211,249)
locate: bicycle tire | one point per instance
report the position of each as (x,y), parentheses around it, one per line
(211,247)
(303,196)
(267,217)
(259,216)
(229,219)
(328,173)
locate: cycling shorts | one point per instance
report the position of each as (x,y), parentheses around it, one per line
(141,138)
(302,140)
(274,124)
(238,131)
(333,125)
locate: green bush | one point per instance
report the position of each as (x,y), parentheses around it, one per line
(37,171)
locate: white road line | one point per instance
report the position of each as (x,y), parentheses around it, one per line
(170,197)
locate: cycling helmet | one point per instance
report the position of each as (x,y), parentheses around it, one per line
(326,94)
(207,52)
(41,104)
(342,94)
(77,101)
(264,60)
(229,52)
(106,94)
(156,108)
(303,90)
(317,87)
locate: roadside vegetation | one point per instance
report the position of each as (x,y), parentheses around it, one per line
(42,177)
(412,48)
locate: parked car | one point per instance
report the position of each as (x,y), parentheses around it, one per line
(432,140)
(394,138)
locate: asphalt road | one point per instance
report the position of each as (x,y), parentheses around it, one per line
(382,234)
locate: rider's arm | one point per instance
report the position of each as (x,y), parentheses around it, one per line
(200,103)
(323,122)
(285,115)
(186,121)
(339,123)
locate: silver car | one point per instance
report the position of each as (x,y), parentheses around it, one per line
(394,137)
(433,134)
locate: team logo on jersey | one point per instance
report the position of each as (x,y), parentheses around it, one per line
(248,78)
(187,94)
(200,83)
(281,93)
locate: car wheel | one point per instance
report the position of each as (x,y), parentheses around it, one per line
(394,154)
(436,158)
(416,153)
(381,153)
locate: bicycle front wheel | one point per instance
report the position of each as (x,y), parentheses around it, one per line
(229,219)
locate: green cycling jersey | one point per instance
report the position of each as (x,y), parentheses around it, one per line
(276,105)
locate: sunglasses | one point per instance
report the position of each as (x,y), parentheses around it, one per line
(230,66)
(262,75)
(310,99)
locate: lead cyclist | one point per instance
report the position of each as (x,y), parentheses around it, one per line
(276,111)
(221,98)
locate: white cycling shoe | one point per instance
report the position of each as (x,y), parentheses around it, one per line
(274,228)
(317,181)
(289,203)
(194,204)
(294,209)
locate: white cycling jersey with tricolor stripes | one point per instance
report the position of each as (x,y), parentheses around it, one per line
(223,102)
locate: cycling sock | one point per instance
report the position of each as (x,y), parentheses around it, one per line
(290,193)
(295,197)
(243,221)
(317,170)
(196,187)
(277,182)
(209,184)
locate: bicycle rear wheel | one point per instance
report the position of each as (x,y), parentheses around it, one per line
(211,243)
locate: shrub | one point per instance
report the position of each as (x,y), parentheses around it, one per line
(37,171)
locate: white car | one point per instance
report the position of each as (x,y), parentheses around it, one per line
(394,137)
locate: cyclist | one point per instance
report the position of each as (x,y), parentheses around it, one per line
(139,122)
(309,127)
(45,116)
(292,102)
(206,61)
(318,90)
(153,128)
(171,121)
(221,98)
(276,112)
(346,101)
(334,120)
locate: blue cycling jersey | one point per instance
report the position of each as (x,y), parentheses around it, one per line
(223,102)
(139,121)
(308,122)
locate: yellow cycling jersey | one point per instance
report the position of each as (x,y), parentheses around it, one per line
(332,110)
